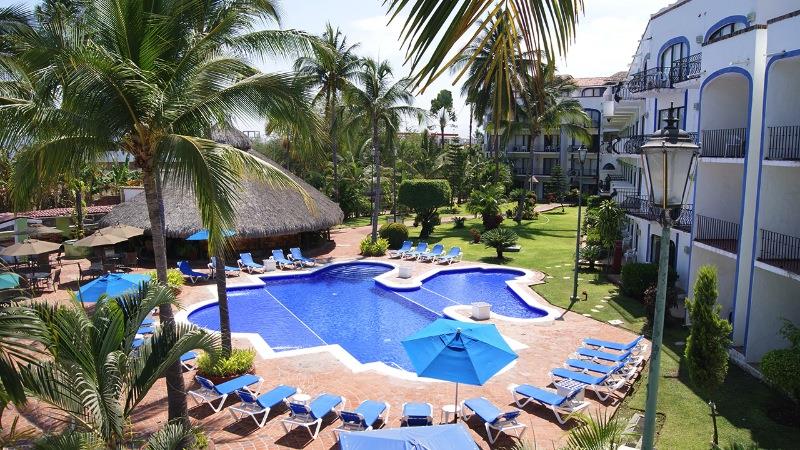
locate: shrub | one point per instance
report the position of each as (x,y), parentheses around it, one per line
(240,362)
(637,277)
(395,233)
(781,367)
(592,253)
(373,249)
(500,239)
(174,278)
(458,222)
(424,197)
(476,235)
(593,201)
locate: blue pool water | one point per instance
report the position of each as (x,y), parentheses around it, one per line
(344,305)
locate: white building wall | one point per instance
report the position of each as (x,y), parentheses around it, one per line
(775,300)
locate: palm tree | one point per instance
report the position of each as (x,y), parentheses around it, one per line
(442,111)
(331,69)
(94,376)
(150,79)
(377,102)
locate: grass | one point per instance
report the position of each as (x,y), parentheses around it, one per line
(548,245)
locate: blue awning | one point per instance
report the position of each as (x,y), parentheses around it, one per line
(439,437)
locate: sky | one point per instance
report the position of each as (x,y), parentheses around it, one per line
(607,37)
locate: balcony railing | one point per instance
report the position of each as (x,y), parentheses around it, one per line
(780,250)
(633,144)
(724,143)
(685,69)
(784,142)
(642,206)
(717,233)
(665,77)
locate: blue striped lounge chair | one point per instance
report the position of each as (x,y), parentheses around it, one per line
(209,392)
(295,254)
(193,275)
(253,406)
(246,263)
(417,414)
(635,346)
(621,369)
(561,405)
(310,415)
(406,247)
(186,360)
(604,357)
(453,255)
(602,385)
(436,251)
(281,260)
(494,418)
(421,248)
(229,270)
(362,418)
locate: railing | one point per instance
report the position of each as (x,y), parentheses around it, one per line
(685,220)
(784,142)
(655,78)
(621,196)
(623,93)
(665,77)
(642,206)
(724,143)
(685,69)
(780,250)
(717,233)
(633,144)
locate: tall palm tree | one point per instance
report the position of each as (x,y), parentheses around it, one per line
(378,101)
(442,111)
(94,377)
(331,68)
(150,79)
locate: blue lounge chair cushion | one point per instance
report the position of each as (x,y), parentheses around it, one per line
(188,356)
(540,395)
(370,410)
(148,321)
(613,345)
(417,410)
(455,251)
(594,367)
(247,260)
(298,255)
(275,396)
(403,248)
(578,376)
(278,256)
(233,385)
(137,343)
(437,249)
(323,404)
(145,330)
(187,270)
(603,355)
(487,411)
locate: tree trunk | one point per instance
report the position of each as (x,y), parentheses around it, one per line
(496,156)
(222,298)
(441,136)
(471,112)
(176,391)
(394,182)
(376,194)
(334,143)
(79,212)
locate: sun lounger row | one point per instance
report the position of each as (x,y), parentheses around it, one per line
(246,263)
(421,252)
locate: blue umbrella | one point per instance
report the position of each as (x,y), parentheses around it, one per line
(202,235)
(439,437)
(460,352)
(111,285)
(9,280)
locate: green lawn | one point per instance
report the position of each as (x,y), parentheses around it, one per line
(548,245)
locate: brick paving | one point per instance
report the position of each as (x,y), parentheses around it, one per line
(548,346)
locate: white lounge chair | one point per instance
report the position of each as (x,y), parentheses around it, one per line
(421,248)
(417,414)
(436,251)
(209,392)
(602,385)
(635,346)
(561,405)
(453,255)
(186,359)
(406,247)
(494,418)
(311,415)
(253,406)
(363,418)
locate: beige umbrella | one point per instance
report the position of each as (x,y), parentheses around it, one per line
(29,247)
(99,239)
(125,231)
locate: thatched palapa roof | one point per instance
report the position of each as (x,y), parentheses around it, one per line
(261,211)
(231,136)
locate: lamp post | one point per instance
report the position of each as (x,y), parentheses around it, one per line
(582,152)
(667,157)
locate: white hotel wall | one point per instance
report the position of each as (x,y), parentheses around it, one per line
(719,192)
(775,299)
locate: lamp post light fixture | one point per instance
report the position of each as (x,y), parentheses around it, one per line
(667,157)
(582,152)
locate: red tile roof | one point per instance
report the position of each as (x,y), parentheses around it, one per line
(600,81)
(54,212)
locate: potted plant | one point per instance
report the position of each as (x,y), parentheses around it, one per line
(225,369)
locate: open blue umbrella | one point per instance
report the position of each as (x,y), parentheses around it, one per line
(438,437)
(111,285)
(460,352)
(202,235)
(9,280)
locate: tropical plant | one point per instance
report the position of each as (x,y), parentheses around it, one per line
(557,185)
(150,79)
(369,247)
(16,324)
(592,253)
(442,111)
(175,279)
(610,218)
(424,197)
(598,432)
(487,202)
(458,222)
(95,376)
(476,235)
(500,239)
(239,362)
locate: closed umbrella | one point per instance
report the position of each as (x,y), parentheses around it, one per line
(121,230)
(29,247)
(111,285)
(9,280)
(460,352)
(202,235)
(99,239)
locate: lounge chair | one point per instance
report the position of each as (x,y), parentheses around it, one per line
(186,359)
(437,250)
(561,405)
(253,406)
(363,418)
(191,274)
(148,321)
(422,247)
(494,418)
(602,385)
(406,247)
(246,263)
(281,261)
(145,330)
(209,392)
(417,414)
(630,360)
(635,346)
(229,270)
(310,416)
(296,255)
(589,366)
(453,255)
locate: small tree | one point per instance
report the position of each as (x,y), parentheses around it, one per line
(609,219)
(557,185)
(424,197)
(499,239)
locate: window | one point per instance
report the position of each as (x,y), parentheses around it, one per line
(552,142)
(673,53)
(609,166)
(725,30)
(593,92)
(594,115)
(664,113)
(547,165)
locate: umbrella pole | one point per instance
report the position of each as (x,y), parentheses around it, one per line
(455,406)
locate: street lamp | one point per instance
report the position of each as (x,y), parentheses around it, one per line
(582,152)
(667,157)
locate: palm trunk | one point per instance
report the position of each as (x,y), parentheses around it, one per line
(176,391)
(496,156)
(441,136)
(471,112)
(376,195)
(334,145)
(79,212)
(394,182)
(222,298)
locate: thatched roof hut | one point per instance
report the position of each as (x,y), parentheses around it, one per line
(231,136)
(262,211)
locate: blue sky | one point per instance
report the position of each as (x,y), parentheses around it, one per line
(606,40)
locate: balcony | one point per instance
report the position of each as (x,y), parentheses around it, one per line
(717,233)
(632,145)
(783,143)
(724,143)
(780,250)
(684,69)
(641,206)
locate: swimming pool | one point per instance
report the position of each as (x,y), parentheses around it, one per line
(343,304)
